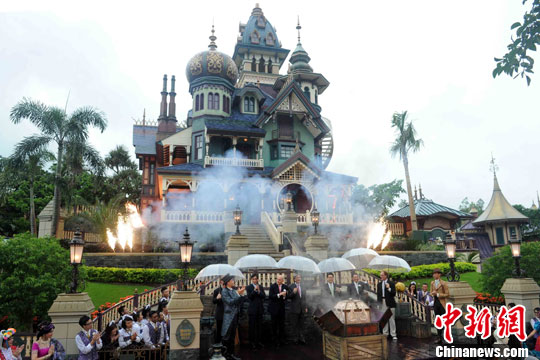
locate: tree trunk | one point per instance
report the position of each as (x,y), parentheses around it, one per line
(56,197)
(32,207)
(414,224)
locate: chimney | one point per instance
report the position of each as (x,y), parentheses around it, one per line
(420,191)
(415,193)
(163,109)
(172,104)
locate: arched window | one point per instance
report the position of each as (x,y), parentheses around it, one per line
(246,104)
(197,103)
(306,92)
(216,101)
(270,66)
(254,37)
(261,65)
(270,39)
(210,101)
(253,64)
(202,102)
(226,104)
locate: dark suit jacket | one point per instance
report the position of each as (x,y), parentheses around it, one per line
(218,312)
(298,303)
(389,294)
(277,305)
(361,294)
(327,294)
(256,300)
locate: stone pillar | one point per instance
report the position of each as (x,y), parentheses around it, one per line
(317,246)
(65,313)
(461,293)
(237,246)
(522,291)
(185,310)
(289,221)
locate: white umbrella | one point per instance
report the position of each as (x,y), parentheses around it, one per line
(335,265)
(298,263)
(256,261)
(387,262)
(360,257)
(219,270)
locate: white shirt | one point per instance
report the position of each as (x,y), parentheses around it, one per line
(146,335)
(383,287)
(8,354)
(85,349)
(123,333)
(331,287)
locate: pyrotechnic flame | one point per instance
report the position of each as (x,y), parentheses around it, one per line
(378,235)
(124,228)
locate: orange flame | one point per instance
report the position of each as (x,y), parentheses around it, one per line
(378,235)
(124,228)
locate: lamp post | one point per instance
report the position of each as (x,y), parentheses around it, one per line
(76,248)
(315,218)
(237,216)
(288,200)
(515,247)
(186,250)
(450,247)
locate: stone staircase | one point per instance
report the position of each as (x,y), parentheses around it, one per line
(259,241)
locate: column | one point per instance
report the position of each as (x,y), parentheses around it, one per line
(236,247)
(185,310)
(522,291)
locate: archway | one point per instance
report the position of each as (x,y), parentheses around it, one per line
(302,200)
(247,196)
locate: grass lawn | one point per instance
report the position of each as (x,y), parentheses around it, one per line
(473,278)
(100,293)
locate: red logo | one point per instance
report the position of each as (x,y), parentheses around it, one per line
(479,322)
(447,320)
(511,322)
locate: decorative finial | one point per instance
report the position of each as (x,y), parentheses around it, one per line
(415,193)
(212,38)
(298,27)
(420,191)
(493,167)
(144,117)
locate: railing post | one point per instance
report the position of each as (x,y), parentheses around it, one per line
(100,321)
(136,299)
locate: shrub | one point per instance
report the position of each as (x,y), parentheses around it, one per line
(424,271)
(486,298)
(136,275)
(499,267)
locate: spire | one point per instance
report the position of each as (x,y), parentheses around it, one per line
(420,191)
(144,117)
(300,58)
(493,167)
(257,11)
(172,102)
(415,193)
(163,107)
(212,38)
(298,27)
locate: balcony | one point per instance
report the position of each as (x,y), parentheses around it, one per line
(324,218)
(192,216)
(232,161)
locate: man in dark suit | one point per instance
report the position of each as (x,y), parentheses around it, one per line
(218,312)
(298,309)
(386,292)
(256,295)
(330,290)
(278,295)
(357,289)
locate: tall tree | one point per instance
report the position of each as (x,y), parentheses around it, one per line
(377,199)
(29,160)
(118,159)
(58,127)
(404,143)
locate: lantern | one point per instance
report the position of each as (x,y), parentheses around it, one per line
(237,216)
(315,218)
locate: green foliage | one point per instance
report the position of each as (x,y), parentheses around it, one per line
(527,37)
(468,257)
(33,272)
(406,140)
(377,199)
(499,267)
(530,231)
(430,246)
(425,271)
(136,275)
(467,205)
(119,160)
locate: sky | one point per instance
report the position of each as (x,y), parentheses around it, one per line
(431,58)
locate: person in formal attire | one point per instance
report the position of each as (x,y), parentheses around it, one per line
(154,333)
(218,312)
(129,334)
(256,296)
(122,312)
(165,295)
(232,303)
(412,290)
(298,309)
(439,291)
(424,296)
(88,340)
(357,290)
(277,296)
(386,292)
(7,350)
(163,314)
(534,321)
(330,290)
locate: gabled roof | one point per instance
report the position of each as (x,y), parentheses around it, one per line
(297,156)
(233,127)
(499,209)
(425,207)
(144,139)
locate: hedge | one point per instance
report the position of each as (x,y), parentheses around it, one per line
(135,275)
(424,271)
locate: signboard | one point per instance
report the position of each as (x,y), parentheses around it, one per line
(185,333)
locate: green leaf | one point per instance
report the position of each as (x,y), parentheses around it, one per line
(528,80)
(515,25)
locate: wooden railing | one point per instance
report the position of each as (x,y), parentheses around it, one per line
(192,216)
(324,218)
(271,229)
(233,161)
(466,244)
(395,228)
(87,237)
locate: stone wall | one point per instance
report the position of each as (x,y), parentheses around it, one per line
(151,260)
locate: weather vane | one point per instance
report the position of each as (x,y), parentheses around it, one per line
(493,167)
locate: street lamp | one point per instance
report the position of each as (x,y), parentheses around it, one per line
(76,248)
(237,216)
(288,200)
(186,250)
(315,218)
(450,247)
(515,248)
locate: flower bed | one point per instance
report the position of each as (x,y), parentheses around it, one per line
(486,298)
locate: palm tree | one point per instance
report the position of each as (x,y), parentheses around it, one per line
(118,159)
(58,127)
(29,161)
(405,141)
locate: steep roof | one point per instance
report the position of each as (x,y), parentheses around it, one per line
(233,127)
(499,209)
(144,139)
(425,207)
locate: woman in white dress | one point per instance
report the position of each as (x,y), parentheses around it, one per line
(130,333)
